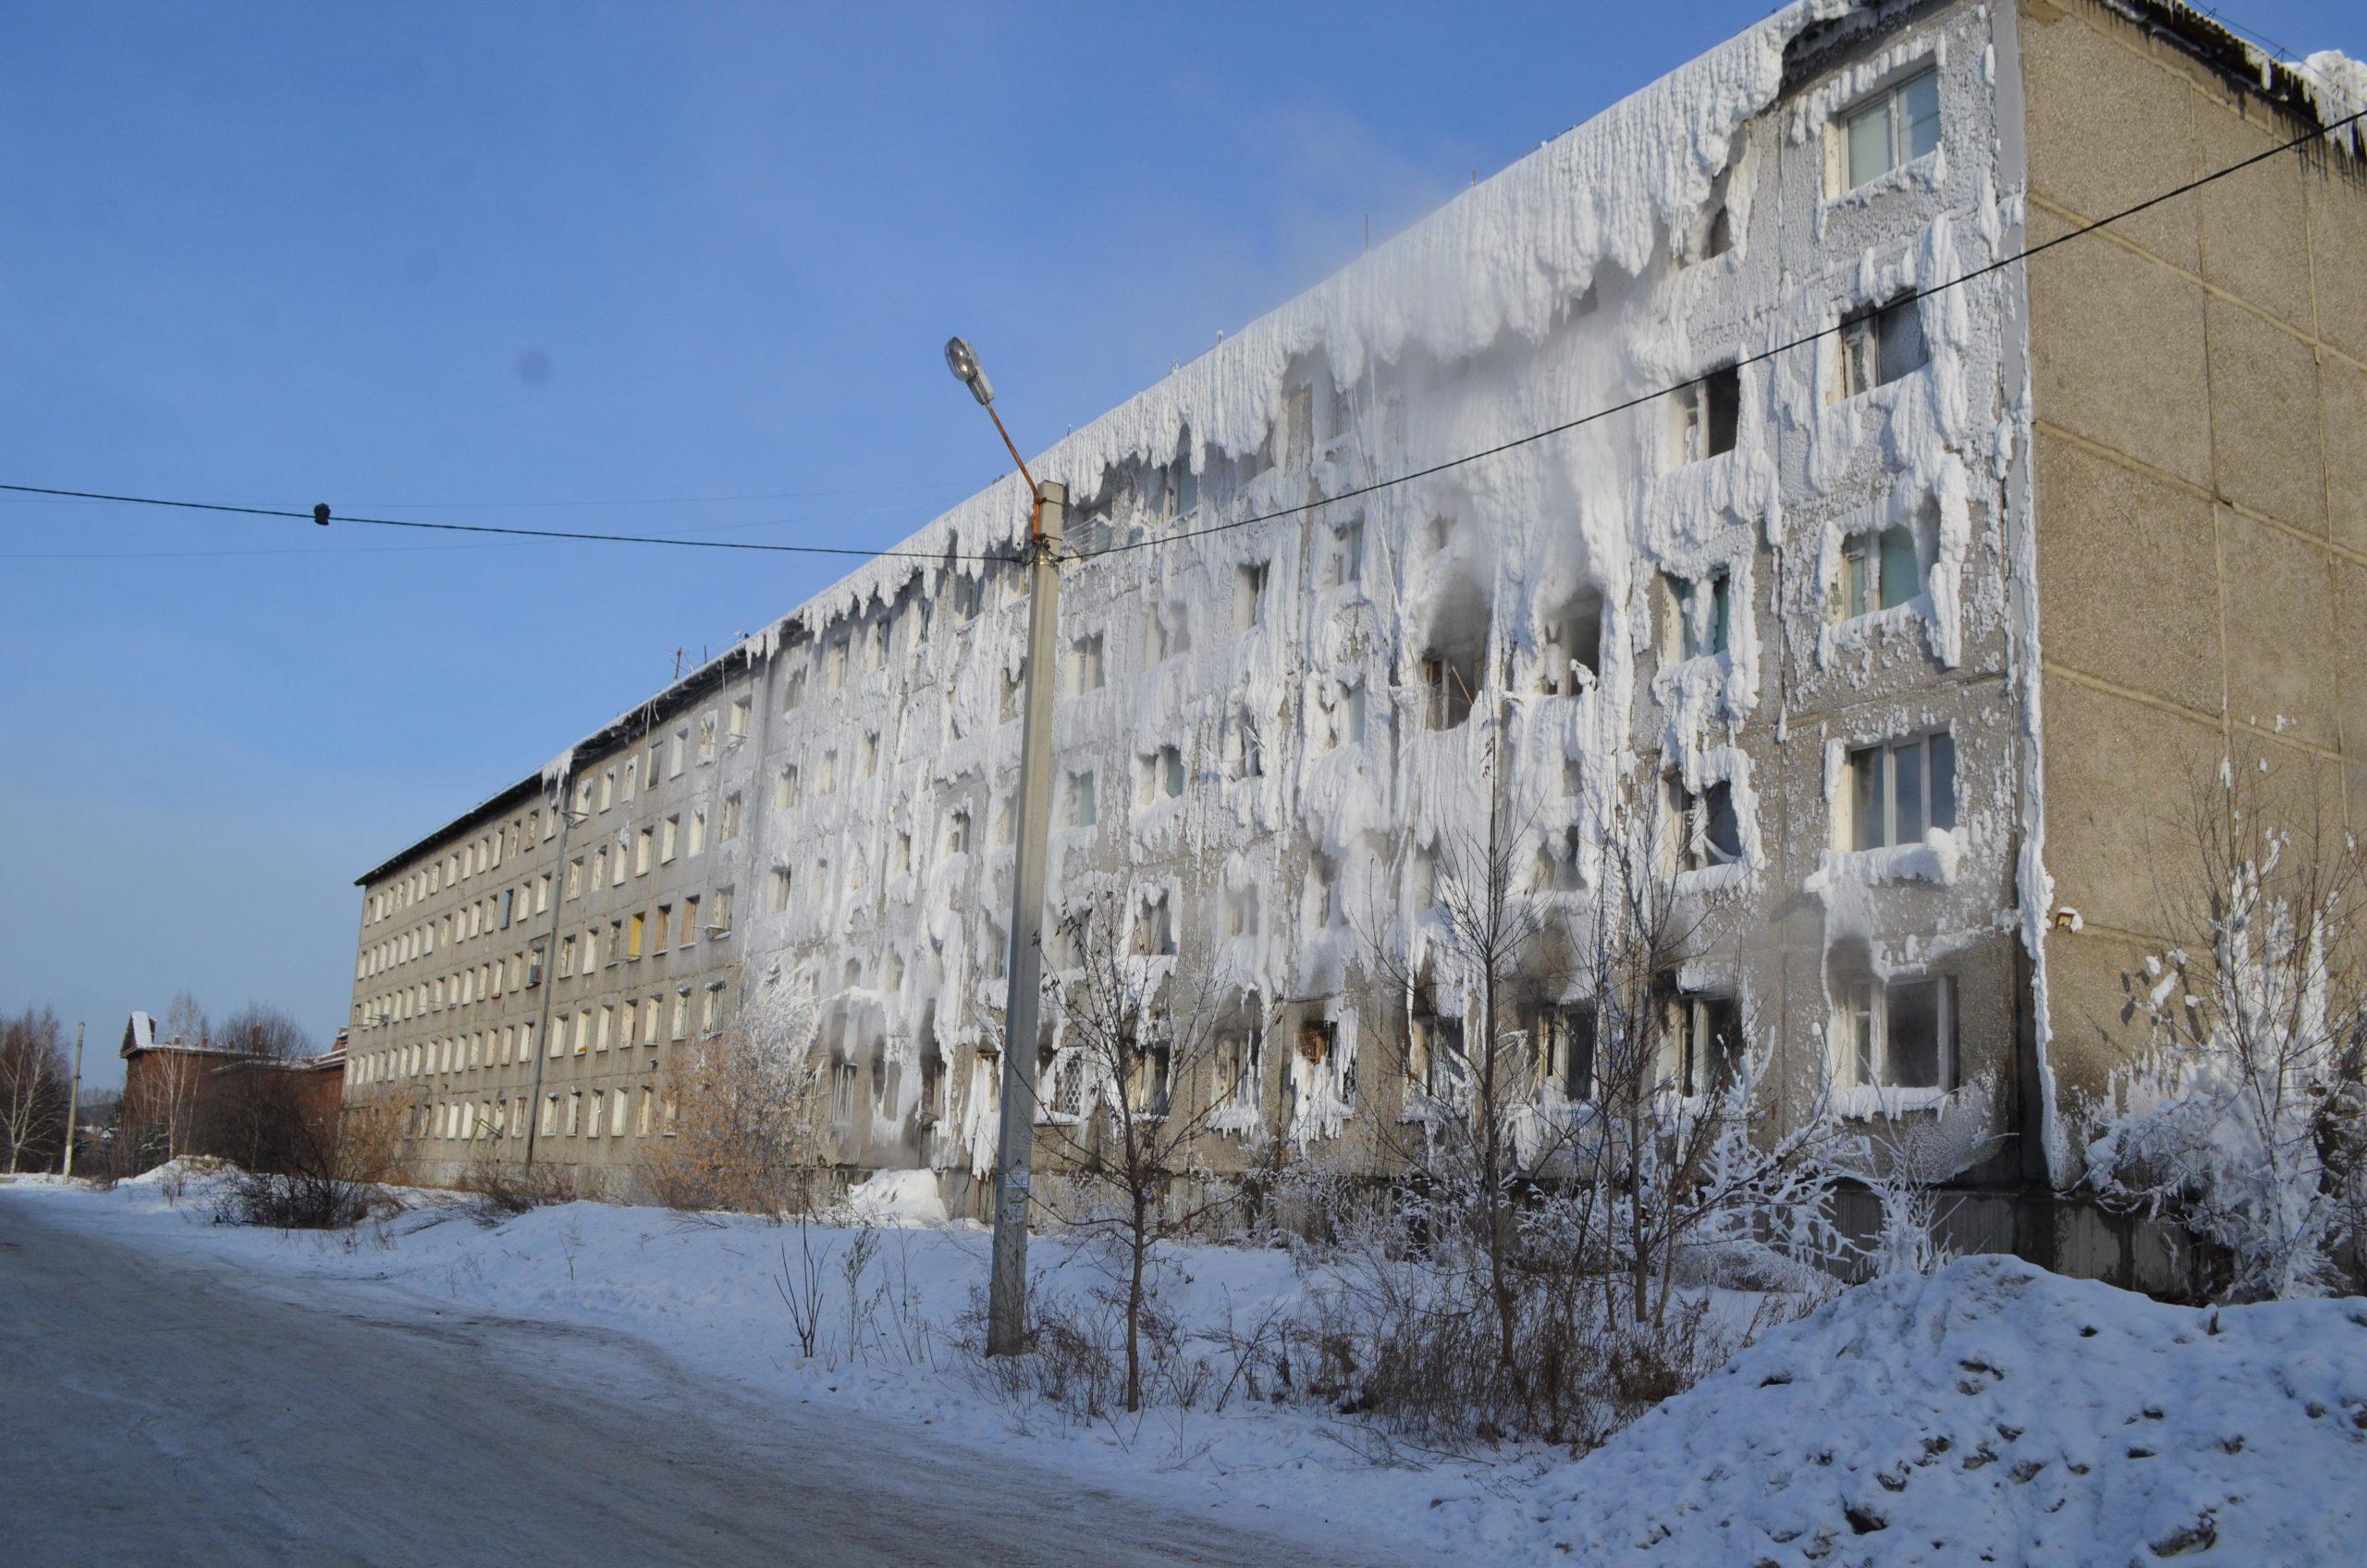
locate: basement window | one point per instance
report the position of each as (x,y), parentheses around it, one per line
(1894,127)
(1708,410)
(1879,572)
(1896,792)
(1898,1033)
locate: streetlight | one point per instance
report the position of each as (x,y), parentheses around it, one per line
(1006,1291)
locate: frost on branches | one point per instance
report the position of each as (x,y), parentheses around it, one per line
(2245,1118)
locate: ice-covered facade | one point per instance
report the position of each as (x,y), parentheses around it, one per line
(1803,605)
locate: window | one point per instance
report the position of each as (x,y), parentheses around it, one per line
(1897,790)
(640,1121)
(719,914)
(781,884)
(1700,613)
(644,849)
(1241,913)
(1237,1070)
(681,1014)
(1249,595)
(1703,827)
(1435,1062)
(575,877)
(957,833)
(1084,664)
(632,776)
(1705,1035)
(698,833)
(1083,808)
(1898,1033)
(567,955)
(1148,1094)
(1880,346)
(1448,684)
(1343,561)
(550,1115)
(1572,654)
(666,832)
(707,738)
(608,1028)
(543,892)
(785,791)
(969,595)
(1879,572)
(1159,776)
(868,760)
(1895,125)
(675,758)
(1153,930)
(574,1110)
(608,789)
(1244,748)
(711,1007)
(1565,1050)
(741,712)
(617,1105)
(583,1032)
(634,934)
(730,826)
(690,922)
(1707,413)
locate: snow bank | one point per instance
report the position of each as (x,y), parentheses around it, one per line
(1995,1413)
(897,1197)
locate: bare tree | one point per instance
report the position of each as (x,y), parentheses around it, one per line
(185,1020)
(1149,1053)
(743,1116)
(259,1029)
(33,1075)
(2246,1116)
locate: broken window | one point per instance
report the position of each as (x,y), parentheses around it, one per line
(1236,1056)
(743,711)
(1344,561)
(1708,410)
(1557,861)
(794,696)
(1446,692)
(1148,1094)
(781,884)
(1565,1037)
(1249,595)
(1435,1063)
(1880,346)
(707,737)
(698,833)
(720,914)
(1084,664)
(1897,790)
(1084,809)
(1703,827)
(1895,125)
(730,827)
(1572,654)
(1880,570)
(1241,913)
(1898,1034)
(1244,749)
(1153,928)
(1701,613)
(957,833)
(644,848)
(786,791)
(1705,1036)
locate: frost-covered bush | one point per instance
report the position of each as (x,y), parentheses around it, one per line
(2245,1120)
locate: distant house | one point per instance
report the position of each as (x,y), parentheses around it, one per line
(183,1096)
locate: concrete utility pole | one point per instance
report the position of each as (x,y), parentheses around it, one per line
(1007,1291)
(74,1100)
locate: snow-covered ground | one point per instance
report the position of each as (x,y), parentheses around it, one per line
(1991,1412)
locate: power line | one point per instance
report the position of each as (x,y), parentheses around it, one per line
(502,530)
(1643,398)
(1300,508)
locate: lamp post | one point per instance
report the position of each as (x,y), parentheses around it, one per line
(1007,1293)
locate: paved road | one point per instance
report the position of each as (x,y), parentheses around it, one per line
(161,1410)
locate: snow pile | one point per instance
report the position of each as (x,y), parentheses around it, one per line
(897,1197)
(1995,1413)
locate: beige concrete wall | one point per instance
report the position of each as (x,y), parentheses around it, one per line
(2199,376)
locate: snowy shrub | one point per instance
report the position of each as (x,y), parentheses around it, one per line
(2245,1119)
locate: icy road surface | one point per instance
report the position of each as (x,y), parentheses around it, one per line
(166,1410)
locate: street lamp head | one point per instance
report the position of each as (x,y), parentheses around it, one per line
(967,369)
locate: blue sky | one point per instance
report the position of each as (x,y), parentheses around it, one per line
(679,269)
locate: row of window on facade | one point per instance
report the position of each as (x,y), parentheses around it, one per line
(589,1113)
(450,869)
(585,1032)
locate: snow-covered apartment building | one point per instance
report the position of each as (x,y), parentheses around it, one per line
(1918,625)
